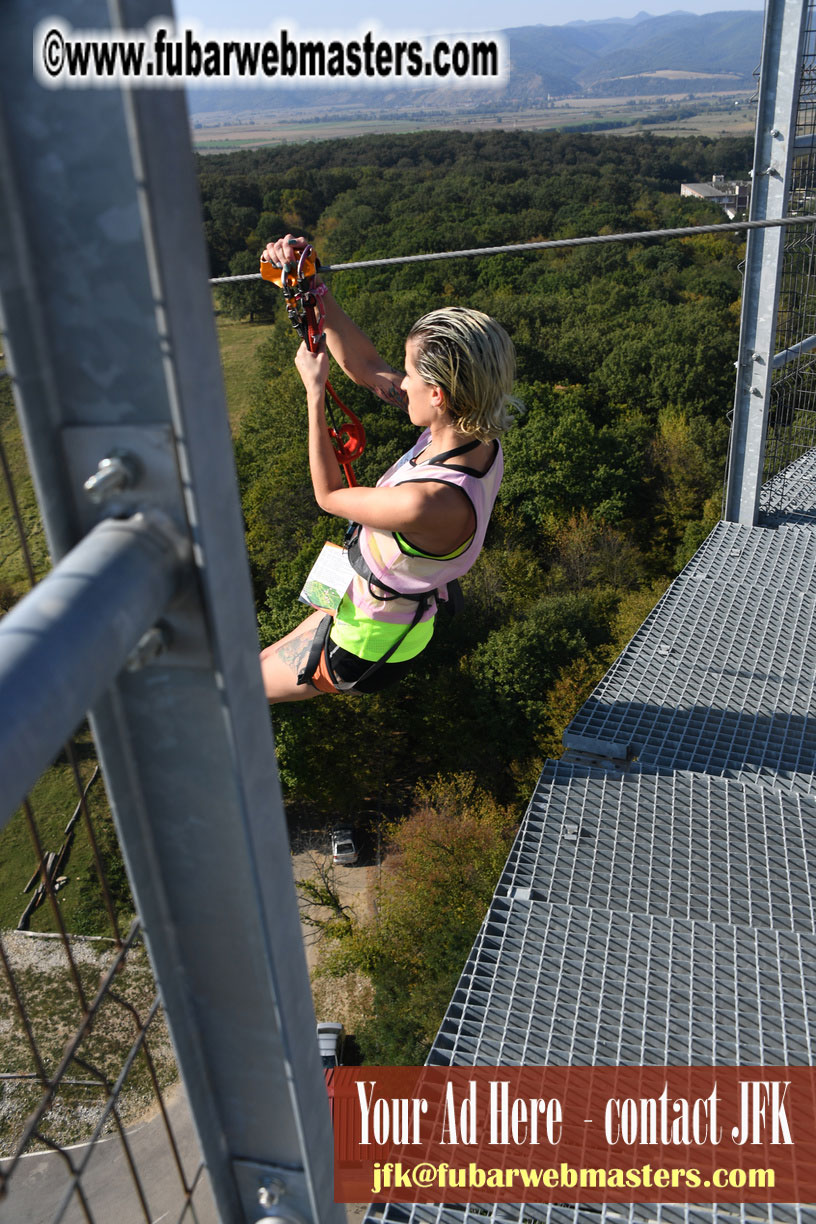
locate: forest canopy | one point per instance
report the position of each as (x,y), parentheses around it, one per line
(625,365)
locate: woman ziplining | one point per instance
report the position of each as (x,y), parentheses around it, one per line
(423,525)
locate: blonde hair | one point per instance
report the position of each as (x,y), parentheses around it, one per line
(471,358)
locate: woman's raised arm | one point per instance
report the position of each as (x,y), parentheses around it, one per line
(349,345)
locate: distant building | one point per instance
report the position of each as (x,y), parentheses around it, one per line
(733,197)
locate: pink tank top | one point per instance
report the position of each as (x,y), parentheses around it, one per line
(405,572)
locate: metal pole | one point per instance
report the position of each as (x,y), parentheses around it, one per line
(796,350)
(775,133)
(62,645)
(111,346)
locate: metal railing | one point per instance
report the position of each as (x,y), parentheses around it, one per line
(775,403)
(776,125)
(57,1098)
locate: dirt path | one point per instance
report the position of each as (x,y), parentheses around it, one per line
(334,999)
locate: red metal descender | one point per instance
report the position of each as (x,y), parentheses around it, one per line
(306,314)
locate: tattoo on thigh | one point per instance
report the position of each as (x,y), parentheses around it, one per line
(295,652)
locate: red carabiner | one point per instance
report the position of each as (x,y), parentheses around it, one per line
(348,439)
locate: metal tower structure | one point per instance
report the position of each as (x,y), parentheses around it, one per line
(147,619)
(774,416)
(671,843)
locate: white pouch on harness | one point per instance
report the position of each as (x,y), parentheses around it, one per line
(329,579)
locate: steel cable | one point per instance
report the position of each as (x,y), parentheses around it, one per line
(520,248)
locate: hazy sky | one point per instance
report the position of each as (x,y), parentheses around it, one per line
(428,16)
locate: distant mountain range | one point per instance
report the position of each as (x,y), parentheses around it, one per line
(639,56)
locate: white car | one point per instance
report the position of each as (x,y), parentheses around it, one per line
(344,848)
(330,1038)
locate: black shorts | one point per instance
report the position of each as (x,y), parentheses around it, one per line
(329,666)
(348,668)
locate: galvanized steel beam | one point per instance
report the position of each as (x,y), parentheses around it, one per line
(795,350)
(111,346)
(774,148)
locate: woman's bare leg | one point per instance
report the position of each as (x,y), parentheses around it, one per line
(283,661)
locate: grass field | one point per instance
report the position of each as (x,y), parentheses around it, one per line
(54,1013)
(239,343)
(54,797)
(52,801)
(717,115)
(41,973)
(13,568)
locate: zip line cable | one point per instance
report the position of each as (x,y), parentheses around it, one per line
(520,248)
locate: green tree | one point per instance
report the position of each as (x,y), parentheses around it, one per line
(625,359)
(688,455)
(250,300)
(560,459)
(516,665)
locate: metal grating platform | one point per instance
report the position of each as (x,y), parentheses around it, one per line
(657,905)
(614,1213)
(790,495)
(569,985)
(782,556)
(572,986)
(721,676)
(683,846)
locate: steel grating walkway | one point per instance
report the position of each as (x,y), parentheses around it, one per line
(614,1213)
(682,846)
(790,495)
(573,986)
(721,677)
(658,905)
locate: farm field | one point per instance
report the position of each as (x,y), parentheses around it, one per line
(719,115)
